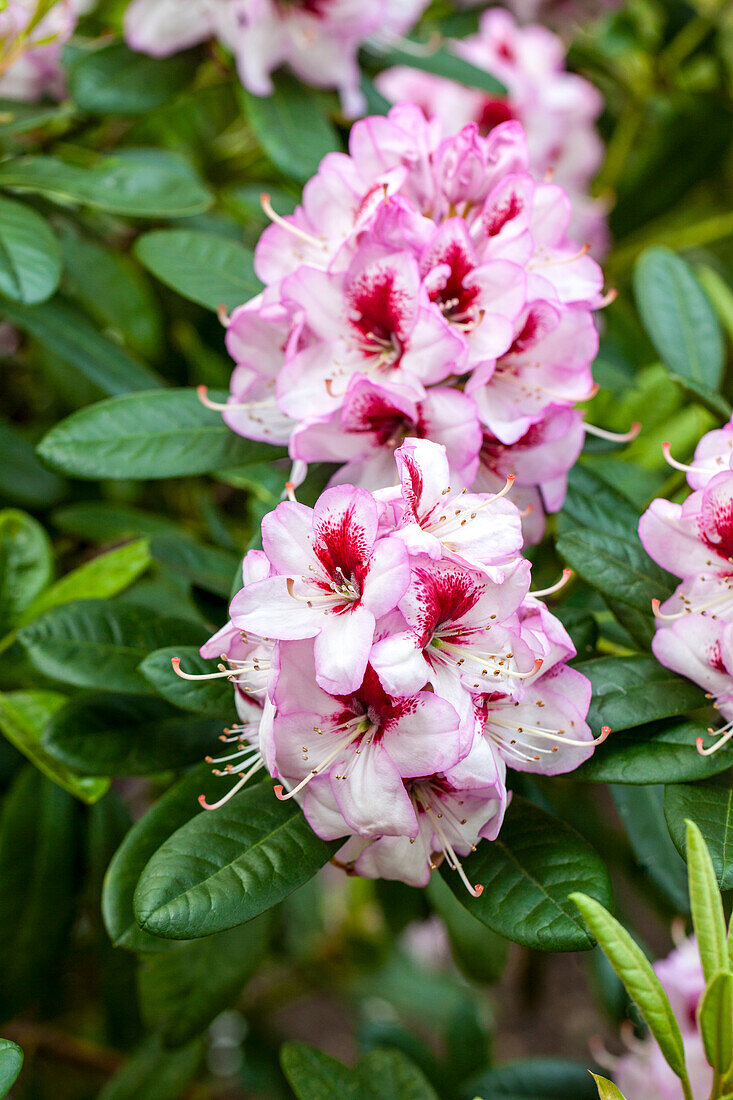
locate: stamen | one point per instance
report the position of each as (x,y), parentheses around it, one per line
(453,860)
(176,662)
(561,259)
(667,452)
(223,315)
(284,224)
(230,794)
(566,575)
(614,437)
(724,736)
(228,406)
(608,298)
(328,759)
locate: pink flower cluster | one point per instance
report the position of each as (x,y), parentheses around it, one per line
(390,663)
(557,109)
(318,39)
(643,1073)
(30,60)
(694,541)
(425,287)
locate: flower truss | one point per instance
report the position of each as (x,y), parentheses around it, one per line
(390,663)
(318,39)
(30,47)
(643,1073)
(424,288)
(694,541)
(557,109)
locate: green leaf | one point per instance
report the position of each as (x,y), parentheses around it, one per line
(711,808)
(313,1075)
(177,806)
(113,80)
(212,697)
(712,400)
(101,578)
(479,952)
(642,812)
(23,480)
(103,733)
(11,1061)
(442,62)
(715,1015)
(679,317)
(37,858)
(660,753)
(606,1089)
(203,267)
(225,867)
(535,1079)
(182,990)
(138,183)
(388,1074)
(26,564)
(18,118)
(153,1073)
(71,337)
(591,502)
(640,981)
(618,566)
(631,691)
(24,716)
(291,126)
(99,644)
(527,874)
(706,904)
(30,255)
(148,435)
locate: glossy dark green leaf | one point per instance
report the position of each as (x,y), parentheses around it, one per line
(225,867)
(30,255)
(313,1075)
(527,874)
(103,733)
(24,716)
(591,502)
(212,697)
(535,1079)
(164,433)
(115,80)
(203,267)
(479,952)
(26,564)
(99,644)
(153,1073)
(617,565)
(631,691)
(679,317)
(292,127)
(711,808)
(11,1061)
(69,335)
(208,567)
(140,183)
(177,806)
(642,811)
(23,480)
(662,753)
(441,61)
(182,990)
(37,854)
(385,1074)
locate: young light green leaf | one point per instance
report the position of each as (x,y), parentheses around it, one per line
(101,578)
(527,874)
(24,716)
(640,981)
(710,806)
(678,316)
(139,183)
(203,267)
(606,1089)
(292,126)
(706,904)
(11,1062)
(715,1015)
(30,255)
(223,868)
(164,433)
(26,564)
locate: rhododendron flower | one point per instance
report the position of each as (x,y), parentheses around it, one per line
(643,1073)
(389,664)
(557,108)
(30,51)
(426,287)
(318,39)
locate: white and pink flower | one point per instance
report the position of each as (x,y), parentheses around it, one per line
(30,50)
